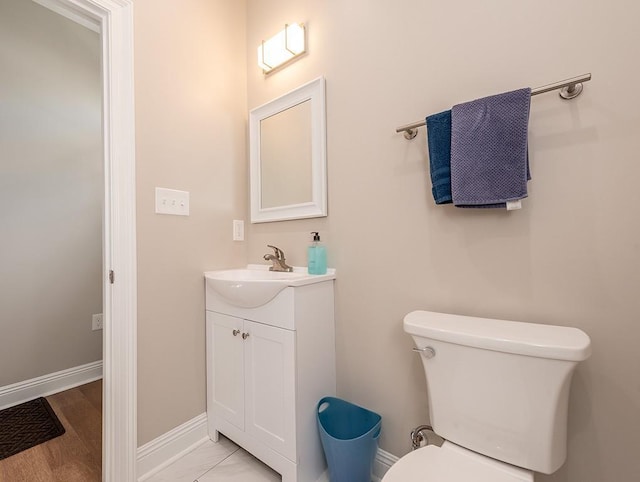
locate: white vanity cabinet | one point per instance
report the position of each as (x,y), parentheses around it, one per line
(253,379)
(267,368)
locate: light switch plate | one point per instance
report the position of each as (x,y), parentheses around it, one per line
(238,230)
(171,201)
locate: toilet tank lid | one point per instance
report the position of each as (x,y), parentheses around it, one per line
(531,339)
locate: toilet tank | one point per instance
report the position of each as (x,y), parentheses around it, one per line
(500,388)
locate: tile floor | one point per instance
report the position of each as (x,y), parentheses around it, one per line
(221,462)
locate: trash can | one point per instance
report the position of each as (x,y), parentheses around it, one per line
(349,435)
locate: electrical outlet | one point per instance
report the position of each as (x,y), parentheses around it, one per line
(96,322)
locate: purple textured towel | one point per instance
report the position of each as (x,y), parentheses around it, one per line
(489,150)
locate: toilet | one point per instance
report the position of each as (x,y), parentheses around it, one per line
(498,394)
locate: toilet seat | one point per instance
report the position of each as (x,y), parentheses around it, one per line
(452,463)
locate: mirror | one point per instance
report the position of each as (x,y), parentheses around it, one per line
(288,156)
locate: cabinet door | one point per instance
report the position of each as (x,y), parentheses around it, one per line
(225,367)
(270,387)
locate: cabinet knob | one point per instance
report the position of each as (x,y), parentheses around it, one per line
(236,332)
(245,336)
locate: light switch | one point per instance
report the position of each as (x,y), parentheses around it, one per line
(238,230)
(171,201)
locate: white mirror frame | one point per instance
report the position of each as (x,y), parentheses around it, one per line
(317,207)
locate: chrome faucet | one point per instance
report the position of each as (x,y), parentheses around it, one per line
(277,259)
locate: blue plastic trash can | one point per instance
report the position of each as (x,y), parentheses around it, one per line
(349,435)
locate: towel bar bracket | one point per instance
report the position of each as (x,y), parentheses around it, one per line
(410,134)
(571,91)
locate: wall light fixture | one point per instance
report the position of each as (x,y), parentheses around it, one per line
(283,47)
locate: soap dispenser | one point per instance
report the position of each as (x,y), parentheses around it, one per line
(316,256)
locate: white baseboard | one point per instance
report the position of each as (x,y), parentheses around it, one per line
(383,462)
(166,449)
(45,385)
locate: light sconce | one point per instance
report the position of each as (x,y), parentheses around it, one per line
(283,47)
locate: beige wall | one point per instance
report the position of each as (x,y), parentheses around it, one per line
(50,192)
(190,135)
(570,257)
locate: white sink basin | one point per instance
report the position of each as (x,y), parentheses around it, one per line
(255,285)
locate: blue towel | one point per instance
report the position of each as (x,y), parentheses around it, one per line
(439,140)
(489,162)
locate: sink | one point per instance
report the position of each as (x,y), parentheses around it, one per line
(255,285)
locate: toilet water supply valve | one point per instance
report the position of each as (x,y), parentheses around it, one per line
(419,437)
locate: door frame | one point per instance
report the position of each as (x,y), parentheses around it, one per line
(114,20)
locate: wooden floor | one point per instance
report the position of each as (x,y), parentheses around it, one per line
(75,456)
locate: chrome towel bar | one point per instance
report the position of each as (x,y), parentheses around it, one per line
(569,89)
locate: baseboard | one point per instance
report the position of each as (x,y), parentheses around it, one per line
(383,462)
(45,385)
(166,449)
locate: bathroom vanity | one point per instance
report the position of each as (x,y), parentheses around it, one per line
(270,358)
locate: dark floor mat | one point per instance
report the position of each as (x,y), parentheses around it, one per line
(27,425)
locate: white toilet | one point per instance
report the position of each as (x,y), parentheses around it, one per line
(498,394)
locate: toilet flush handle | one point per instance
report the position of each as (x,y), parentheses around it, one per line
(426,352)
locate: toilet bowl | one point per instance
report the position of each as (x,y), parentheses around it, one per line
(498,395)
(451,463)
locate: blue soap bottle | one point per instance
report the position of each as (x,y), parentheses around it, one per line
(316,256)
